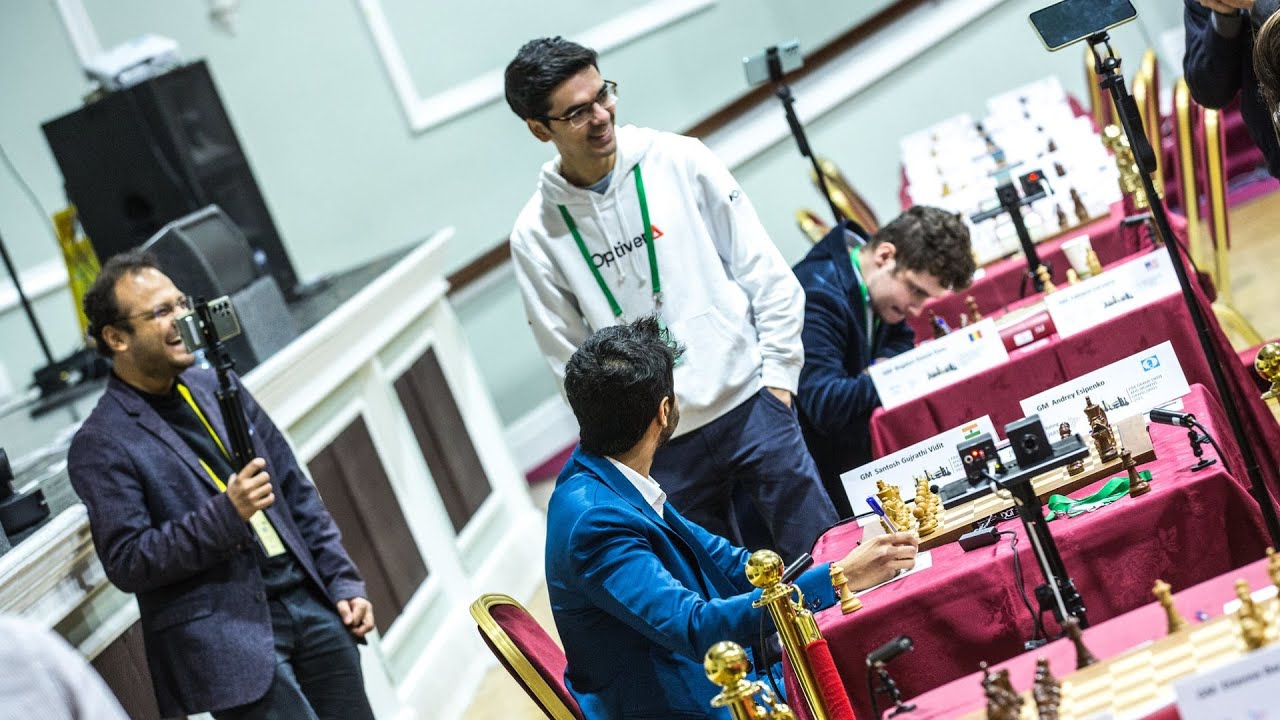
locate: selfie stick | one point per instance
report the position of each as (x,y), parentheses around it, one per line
(228,392)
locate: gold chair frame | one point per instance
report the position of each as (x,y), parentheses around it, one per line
(1146,94)
(481,613)
(813,227)
(1215,164)
(848,201)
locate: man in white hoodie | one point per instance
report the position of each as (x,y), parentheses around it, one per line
(628,222)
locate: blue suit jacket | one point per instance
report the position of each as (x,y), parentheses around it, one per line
(164,531)
(836,397)
(638,600)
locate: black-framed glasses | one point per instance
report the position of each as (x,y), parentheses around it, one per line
(607,98)
(161,312)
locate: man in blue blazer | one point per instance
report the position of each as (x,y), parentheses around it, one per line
(638,592)
(250,606)
(858,291)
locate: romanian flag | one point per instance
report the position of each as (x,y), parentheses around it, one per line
(975,335)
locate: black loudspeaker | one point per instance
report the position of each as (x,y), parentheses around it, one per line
(139,158)
(207,256)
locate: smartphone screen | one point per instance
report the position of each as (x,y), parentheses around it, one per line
(1069,21)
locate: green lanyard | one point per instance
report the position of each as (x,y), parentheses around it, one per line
(1114,489)
(866,299)
(654,278)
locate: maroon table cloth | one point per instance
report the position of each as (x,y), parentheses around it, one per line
(966,608)
(1055,360)
(1109,639)
(1001,285)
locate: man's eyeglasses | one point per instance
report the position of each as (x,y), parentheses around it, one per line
(161,312)
(607,99)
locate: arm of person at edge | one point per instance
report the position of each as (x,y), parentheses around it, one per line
(1212,63)
(755,264)
(552,310)
(139,554)
(623,576)
(339,574)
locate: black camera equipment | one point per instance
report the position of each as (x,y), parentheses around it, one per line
(876,661)
(1197,435)
(18,511)
(773,59)
(207,326)
(1011,203)
(1036,455)
(1073,20)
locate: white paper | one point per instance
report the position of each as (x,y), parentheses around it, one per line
(1244,688)
(1098,299)
(1124,388)
(938,363)
(937,455)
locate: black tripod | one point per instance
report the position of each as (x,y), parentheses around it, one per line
(783,92)
(1012,204)
(1108,70)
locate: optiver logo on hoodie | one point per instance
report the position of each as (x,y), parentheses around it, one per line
(607,258)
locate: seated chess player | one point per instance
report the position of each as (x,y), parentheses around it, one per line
(858,291)
(638,592)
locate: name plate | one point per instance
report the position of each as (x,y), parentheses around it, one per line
(937,456)
(1244,688)
(1124,388)
(1076,308)
(938,363)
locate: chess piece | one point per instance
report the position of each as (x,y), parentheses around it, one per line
(1053,146)
(1095,265)
(1057,168)
(1046,283)
(1064,432)
(1072,276)
(848,601)
(1267,364)
(1077,203)
(1003,702)
(1163,593)
(1047,691)
(1273,566)
(973,308)
(925,510)
(964,319)
(1253,626)
(1064,222)
(1084,658)
(1104,438)
(1137,486)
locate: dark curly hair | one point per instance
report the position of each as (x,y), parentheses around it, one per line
(100,304)
(931,240)
(616,380)
(538,68)
(1266,63)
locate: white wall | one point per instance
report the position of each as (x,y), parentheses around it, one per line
(346,177)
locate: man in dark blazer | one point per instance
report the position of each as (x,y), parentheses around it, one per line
(250,606)
(858,291)
(638,592)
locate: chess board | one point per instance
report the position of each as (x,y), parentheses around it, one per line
(958,520)
(1140,681)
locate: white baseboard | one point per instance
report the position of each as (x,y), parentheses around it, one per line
(541,433)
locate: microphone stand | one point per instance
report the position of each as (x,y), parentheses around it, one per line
(1109,77)
(783,92)
(228,394)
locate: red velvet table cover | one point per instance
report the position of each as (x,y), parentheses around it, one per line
(1055,360)
(1002,281)
(965,608)
(1106,640)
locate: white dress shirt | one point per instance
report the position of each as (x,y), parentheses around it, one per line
(648,487)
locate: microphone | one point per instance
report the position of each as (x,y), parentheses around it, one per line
(889,650)
(1172,417)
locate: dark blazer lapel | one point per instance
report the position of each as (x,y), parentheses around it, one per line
(141,412)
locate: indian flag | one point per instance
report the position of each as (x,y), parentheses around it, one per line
(970,431)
